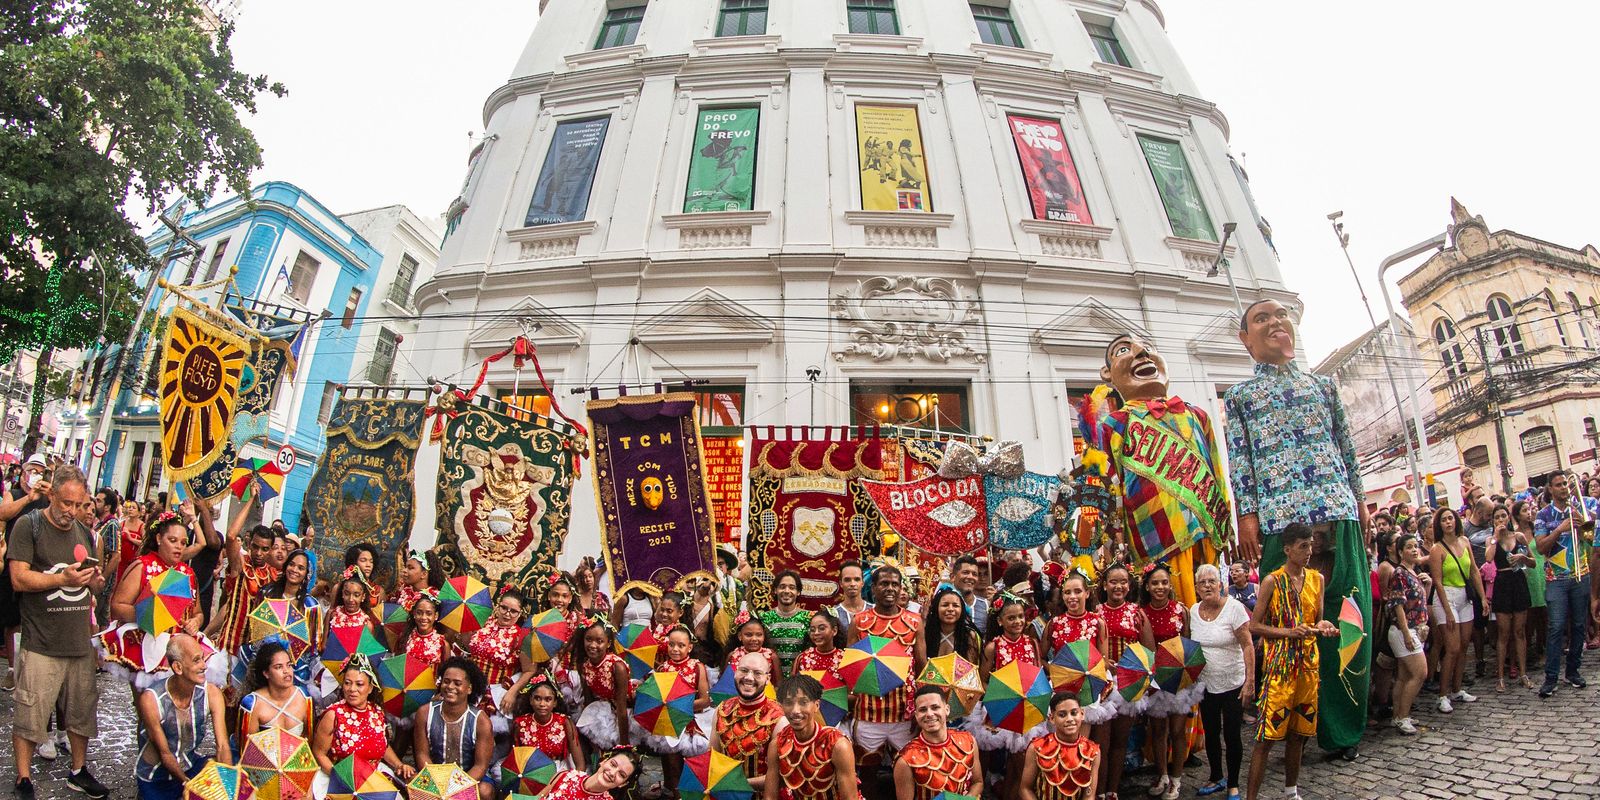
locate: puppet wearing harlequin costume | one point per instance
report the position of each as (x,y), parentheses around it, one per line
(1163,457)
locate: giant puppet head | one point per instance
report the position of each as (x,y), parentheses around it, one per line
(1135,369)
(1267,331)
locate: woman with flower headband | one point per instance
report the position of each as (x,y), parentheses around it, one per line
(1166,714)
(293,584)
(1125,624)
(1078,623)
(496,649)
(606,685)
(122,647)
(556,593)
(1010,641)
(355,726)
(693,741)
(540,723)
(827,647)
(353,610)
(750,636)
(418,578)
(453,727)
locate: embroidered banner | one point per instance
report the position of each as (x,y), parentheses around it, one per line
(651,486)
(810,513)
(201,367)
(1019,509)
(724,460)
(492,460)
(943,516)
(361,491)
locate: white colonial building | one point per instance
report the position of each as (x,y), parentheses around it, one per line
(941,211)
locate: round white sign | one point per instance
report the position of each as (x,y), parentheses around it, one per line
(286,459)
(98,448)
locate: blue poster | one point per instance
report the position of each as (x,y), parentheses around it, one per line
(562,193)
(1019,509)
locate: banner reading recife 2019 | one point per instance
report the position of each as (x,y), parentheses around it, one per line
(894,169)
(722,168)
(1053,186)
(562,193)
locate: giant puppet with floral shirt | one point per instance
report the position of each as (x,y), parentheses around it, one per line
(1161,456)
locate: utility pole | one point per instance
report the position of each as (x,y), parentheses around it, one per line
(1496,409)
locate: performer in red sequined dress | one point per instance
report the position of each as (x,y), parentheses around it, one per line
(539,725)
(1064,764)
(808,760)
(939,759)
(606,685)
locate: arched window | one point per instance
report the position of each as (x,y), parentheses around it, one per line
(1555,317)
(1444,336)
(1580,320)
(1504,335)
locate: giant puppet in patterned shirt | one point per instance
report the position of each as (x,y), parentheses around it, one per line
(1164,455)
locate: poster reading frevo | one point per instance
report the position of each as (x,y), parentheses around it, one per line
(894,169)
(1179,193)
(1053,186)
(722,168)
(562,193)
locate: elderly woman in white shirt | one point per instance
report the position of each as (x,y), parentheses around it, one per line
(1221,625)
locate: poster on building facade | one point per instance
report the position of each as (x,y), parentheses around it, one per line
(724,458)
(1179,193)
(562,193)
(1054,190)
(655,512)
(894,168)
(722,167)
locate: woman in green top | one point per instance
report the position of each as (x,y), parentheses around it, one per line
(787,623)
(1450,562)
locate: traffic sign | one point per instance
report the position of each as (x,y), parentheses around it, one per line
(98,448)
(286,459)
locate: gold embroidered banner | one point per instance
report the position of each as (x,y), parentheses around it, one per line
(201,366)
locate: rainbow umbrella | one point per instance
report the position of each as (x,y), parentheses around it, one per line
(714,776)
(1352,629)
(1133,671)
(639,647)
(1178,662)
(1079,668)
(960,678)
(345,642)
(162,602)
(875,666)
(464,604)
(279,764)
(952,796)
(549,633)
(358,779)
(1018,697)
(396,620)
(279,618)
(526,771)
(219,782)
(260,475)
(408,683)
(664,705)
(442,782)
(835,695)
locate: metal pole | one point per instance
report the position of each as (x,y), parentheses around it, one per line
(1227,269)
(1497,410)
(1419,248)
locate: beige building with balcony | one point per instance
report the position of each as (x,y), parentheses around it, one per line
(1509,330)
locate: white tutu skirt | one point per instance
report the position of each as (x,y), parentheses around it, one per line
(1166,704)
(498,722)
(133,656)
(692,742)
(973,721)
(992,738)
(571,686)
(1100,711)
(598,723)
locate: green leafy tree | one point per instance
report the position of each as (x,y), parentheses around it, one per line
(105,104)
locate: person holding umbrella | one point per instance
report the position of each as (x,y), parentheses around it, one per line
(939,760)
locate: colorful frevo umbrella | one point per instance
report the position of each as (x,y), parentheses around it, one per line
(714,776)
(396,620)
(345,642)
(1133,671)
(163,601)
(639,647)
(260,476)
(218,782)
(835,695)
(960,678)
(464,604)
(549,633)
(876,665)
(1018,697)
(664,705)
(1178,662)
(952,796)
(726,687)
(279,618)
(408,683)
(526,771)
(442,782)
(358,779)
(279,764)
(1079,668)
(1352,628)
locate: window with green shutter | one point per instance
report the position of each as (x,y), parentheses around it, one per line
(742,18)
(382,364)
(1106,44)
(620,27)
(872,16)
(404,276)
(995,25)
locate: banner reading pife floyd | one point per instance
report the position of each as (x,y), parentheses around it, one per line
(650,481)
(201,366)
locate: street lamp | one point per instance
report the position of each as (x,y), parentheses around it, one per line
(1227,233)
(1434,243)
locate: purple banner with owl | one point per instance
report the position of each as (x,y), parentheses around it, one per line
(650,480)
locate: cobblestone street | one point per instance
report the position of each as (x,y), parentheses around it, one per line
(1503,746)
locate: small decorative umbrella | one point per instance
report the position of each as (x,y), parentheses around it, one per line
(1352,629)
(279,764)
(408,683)
(664,705)
(1018,697)
(163,601)
(396,621)
(279,617)
(442,782)
(358,779)
(952,796)
(1078,667)
(464,604)
(835,695)
(526,771)
(219,782)
(262,476)
(714,776)
(960,678)
(876,665)
(345,642)
(1133,671)
(639,647)
(550,632)
(1178,662)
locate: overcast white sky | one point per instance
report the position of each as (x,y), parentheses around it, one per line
(1380,109)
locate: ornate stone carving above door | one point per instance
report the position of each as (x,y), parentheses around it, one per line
(907,317)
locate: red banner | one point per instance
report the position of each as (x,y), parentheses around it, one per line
(1047,167)
(725,483)
(943,516)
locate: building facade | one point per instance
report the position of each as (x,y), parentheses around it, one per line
(1510,338)
(933,213)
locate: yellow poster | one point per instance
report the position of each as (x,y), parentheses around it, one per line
(894,169)
(201,367)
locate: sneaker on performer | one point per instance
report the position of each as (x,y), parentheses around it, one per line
(1406,726)
(1463,697)
(1444,705)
